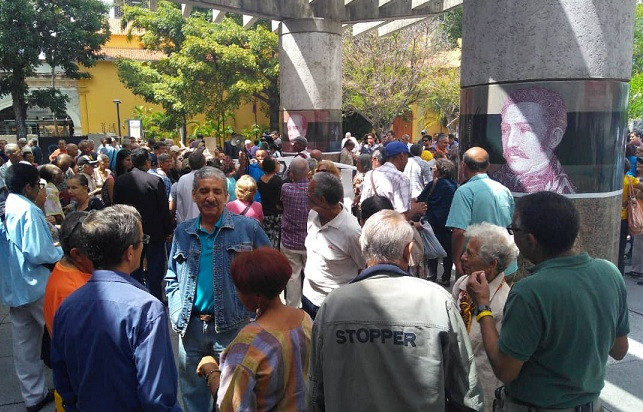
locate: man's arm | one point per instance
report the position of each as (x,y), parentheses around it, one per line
(620,347)
(457,247)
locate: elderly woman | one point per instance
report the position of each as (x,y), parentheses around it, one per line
(102,172)
(265,368)
(490,249)
(328,166)
(244,205)
(52,207)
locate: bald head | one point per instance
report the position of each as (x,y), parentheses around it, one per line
(72,149)
(476,160)
(316,154)
(64,162)
(299,169)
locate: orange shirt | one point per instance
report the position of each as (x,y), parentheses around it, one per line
(62,283)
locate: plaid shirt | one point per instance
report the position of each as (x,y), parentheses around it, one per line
(295,214)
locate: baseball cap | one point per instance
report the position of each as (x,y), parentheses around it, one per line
(300,139)
(84,160)
(395,148)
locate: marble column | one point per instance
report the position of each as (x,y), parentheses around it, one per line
(310,62)
(544,90)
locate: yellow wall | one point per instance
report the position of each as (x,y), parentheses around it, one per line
(425,120)
(98,111)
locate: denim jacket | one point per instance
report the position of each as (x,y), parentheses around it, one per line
(237,234)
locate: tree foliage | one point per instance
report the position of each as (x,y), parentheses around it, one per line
(208,69)
(68,33)
(384,76)
(636,84)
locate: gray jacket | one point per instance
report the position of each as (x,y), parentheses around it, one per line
(390,342)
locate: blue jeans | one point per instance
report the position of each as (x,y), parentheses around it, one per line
(200,339)
(152,278)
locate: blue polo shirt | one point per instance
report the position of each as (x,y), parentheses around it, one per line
(479,200)
(204,296)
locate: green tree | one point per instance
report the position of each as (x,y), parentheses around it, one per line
(382,76)
(69,33)
(442,97)
(208,69)
(636,84)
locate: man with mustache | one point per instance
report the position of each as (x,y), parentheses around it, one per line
(533,124)
(202,300)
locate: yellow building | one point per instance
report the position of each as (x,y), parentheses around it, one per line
(91,106)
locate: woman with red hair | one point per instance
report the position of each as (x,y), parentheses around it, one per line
(265,367)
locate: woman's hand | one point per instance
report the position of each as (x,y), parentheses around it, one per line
(206,366)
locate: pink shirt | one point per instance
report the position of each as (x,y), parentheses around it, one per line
(255,210)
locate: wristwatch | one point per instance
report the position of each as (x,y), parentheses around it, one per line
(481,308)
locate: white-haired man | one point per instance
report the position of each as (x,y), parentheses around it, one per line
(490,249)
(400,336)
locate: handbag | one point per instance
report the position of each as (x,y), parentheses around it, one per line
(432,247)
(634,213)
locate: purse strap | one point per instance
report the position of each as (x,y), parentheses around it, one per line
(373,182)
(435,182)
(631,188)
(246,209)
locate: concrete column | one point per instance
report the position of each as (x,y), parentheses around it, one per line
(544,90)
(310,62)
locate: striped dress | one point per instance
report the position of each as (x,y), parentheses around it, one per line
(266,370)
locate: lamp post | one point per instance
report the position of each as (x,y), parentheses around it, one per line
(118,115)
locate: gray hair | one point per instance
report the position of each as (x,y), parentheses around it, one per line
(328,186)
(11,148)
(102,157)
(299,168)
(379,155)
(108,233)
(495,244)
(384,236)
(364,160)
(312,163)
(209,172)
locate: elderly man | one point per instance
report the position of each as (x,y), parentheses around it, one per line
(332,244)
(480,199)
(204,307)
(389,181)
(293,226)
(28,255)
(490,249)
(113,325)
(147,194)
(561,322)
(400,336)
(534,121)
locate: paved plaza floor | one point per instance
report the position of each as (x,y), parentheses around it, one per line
(623,390)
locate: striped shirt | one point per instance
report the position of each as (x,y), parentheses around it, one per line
(266,370)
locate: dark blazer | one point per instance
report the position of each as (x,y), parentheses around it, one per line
(146,193)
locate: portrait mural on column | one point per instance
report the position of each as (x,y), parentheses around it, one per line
(560,136)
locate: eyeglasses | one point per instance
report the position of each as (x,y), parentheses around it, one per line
(511,229)
(145,241)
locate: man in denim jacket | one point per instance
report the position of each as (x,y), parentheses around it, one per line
(203,303)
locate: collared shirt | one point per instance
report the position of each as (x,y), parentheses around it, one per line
(25,245)
(295,214)
(562,322)
(112,349)
(388,182)
(185,206)
(204,296)
(479,200)
(419,173)
(334,256)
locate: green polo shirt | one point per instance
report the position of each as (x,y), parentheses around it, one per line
(204,296)
(562,322)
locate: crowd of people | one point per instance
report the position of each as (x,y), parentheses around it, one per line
(284,297)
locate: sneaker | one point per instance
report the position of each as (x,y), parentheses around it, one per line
(46,400)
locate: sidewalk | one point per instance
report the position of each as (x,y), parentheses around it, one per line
(623,390)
